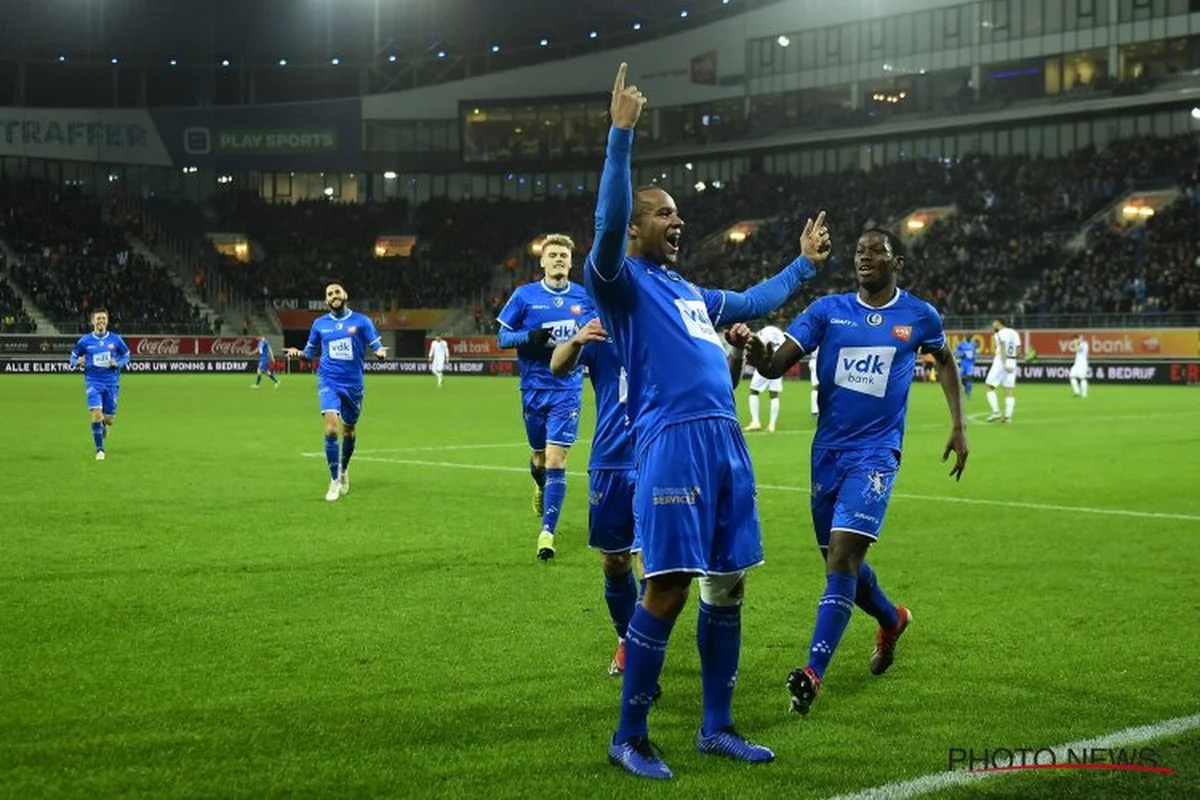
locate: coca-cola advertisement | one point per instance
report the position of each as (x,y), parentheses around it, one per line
(189,346)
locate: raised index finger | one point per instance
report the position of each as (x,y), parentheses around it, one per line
(619,83)
(820,223)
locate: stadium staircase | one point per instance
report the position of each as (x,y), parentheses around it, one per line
(221,323)
(1154,197)
(44,324)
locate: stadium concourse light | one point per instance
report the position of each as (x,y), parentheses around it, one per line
(335,61)
(683,14)
(62,59)
(543,42)
(174,62)
(783,40)
(389,176)
(637,26)
(1196,112)
(283,62)
(593,34)
(224,62)
(441,53)
(392,57)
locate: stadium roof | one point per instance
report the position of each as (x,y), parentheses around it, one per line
(264,31)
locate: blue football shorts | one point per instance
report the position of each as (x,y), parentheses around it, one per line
(851,490)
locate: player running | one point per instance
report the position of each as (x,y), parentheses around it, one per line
(694,507)
(266,363)
(1079,370)
(341,338)
(439,357)
(1006,343)
(538,317)
(868,340)
(101,354)
(965,355)
(758,384)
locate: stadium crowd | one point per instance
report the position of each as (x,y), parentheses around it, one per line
(13,317)
(70,260)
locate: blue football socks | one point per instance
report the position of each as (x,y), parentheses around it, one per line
(833,615)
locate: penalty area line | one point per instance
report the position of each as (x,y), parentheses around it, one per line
(1112,512)
(936,781)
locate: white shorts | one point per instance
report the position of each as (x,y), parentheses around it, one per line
(812,378)
(760,384)
(1079,372)
(998,376)
(437,367)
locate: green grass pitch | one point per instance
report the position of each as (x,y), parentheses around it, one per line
(191,619)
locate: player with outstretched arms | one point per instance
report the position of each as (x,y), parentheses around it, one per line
(758,384)
(538,317)
(439,357)
(342,338)
(965,355)
(868,341)
(1006,343)
(265,363)
(100,354)
(695,513)
(1079,370)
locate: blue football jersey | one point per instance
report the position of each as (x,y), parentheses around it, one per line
(966,352)
(342,344)
(562,311)
(101,351)
(865,365)
(664,326)
(264,348)
(612,444)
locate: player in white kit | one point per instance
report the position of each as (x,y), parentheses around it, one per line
(1079,370)
(772,337)
(439,357)
(1006,343)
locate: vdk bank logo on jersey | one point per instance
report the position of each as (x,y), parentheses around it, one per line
(864,369)
(695,318)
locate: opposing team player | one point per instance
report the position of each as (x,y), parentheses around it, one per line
(342,339)
(868,340)
(965,354)
(439,357)
(758,384)
(266,363)
(1006,343)
(101,354)
(1079,370)
(694,507)
(538,317)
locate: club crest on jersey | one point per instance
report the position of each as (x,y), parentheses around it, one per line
(338,326)
(902,332)
(558,302)
(874,319)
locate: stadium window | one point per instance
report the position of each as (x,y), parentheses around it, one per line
(905,39)
(1052,16)
(833,46)
(951,23)
(922,24)
(808,50)
(1033,13)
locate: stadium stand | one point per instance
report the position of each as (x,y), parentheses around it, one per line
(71,260)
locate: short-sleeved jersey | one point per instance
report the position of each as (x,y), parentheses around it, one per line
(1005,342)
(101,351)
(772,336)
(1081,355)
(342,343)
(439,350)
(865,365)
(663,329)
(561,311)
(966,351)
(612,444)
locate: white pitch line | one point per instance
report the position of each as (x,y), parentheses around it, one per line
(936,781)
(1112,512)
